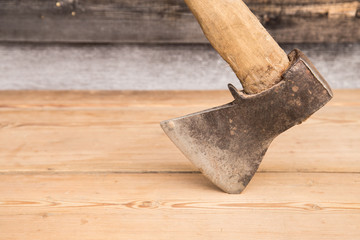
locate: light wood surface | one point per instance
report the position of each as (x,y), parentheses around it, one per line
(178,206)
(238,36)
(115,131)
(288,21)
(96,165)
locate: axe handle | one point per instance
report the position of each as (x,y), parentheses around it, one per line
(238,36)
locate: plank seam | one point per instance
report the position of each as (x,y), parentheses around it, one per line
(150,172)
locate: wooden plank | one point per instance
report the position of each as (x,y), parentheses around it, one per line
(119,132)
(169,21)
(117,99)
(178,206)
(73,167)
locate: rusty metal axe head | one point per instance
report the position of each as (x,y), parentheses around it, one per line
(227,143)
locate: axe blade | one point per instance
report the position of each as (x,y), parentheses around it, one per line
(227,143)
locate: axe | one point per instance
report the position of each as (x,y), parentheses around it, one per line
(227,143)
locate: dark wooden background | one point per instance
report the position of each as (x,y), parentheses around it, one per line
(164,21)
(157,44)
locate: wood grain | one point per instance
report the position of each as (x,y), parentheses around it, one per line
(178,206)
(95,165)
(169,21)
(103,131)
(240,39)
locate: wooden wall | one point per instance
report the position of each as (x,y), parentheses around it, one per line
(36,54)
(164,21)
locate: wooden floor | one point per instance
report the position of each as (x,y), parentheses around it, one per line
(96,165)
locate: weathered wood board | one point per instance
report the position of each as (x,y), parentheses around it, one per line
(149,67)
(169,21)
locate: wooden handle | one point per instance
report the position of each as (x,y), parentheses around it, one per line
(242,41)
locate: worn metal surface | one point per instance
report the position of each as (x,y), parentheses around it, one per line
(227,143)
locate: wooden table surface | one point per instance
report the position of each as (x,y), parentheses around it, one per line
(96,165)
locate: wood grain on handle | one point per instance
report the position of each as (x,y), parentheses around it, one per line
(242,41)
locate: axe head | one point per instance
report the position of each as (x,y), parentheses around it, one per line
(227,143)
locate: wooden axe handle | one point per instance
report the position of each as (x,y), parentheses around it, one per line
(242,41)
